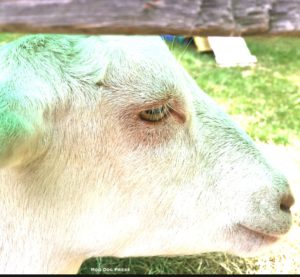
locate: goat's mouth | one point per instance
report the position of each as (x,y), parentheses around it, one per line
(248,242)
(265,237)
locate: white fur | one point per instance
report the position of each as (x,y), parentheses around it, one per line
(83,175)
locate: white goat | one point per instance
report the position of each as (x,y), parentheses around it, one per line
(109,148)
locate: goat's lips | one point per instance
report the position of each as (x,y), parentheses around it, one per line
(267,237)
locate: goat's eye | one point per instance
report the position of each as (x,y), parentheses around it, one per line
(155,114)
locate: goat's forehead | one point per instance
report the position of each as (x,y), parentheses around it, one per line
(143,65)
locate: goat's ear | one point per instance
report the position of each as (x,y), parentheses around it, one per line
(19,136)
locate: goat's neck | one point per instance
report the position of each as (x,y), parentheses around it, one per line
(30,239)
(18,258)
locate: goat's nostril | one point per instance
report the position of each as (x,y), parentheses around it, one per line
(286,203)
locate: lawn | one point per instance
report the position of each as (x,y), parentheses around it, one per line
(265,101)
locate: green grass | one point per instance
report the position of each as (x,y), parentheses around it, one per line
(213,263)
(264,99)
(7,37)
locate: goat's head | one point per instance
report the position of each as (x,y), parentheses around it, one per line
(108,147)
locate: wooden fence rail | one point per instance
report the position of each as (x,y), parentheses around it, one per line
(186,17)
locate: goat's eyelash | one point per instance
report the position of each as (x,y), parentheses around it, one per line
(156,114)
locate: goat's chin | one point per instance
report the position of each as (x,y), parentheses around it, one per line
(248,243)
